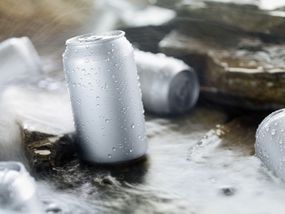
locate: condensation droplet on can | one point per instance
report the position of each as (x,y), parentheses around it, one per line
(273,132)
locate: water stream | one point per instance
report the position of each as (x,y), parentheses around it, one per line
(182,173)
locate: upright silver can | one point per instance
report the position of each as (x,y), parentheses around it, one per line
(106,98)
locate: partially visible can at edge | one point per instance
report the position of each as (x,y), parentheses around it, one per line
(169,86)
(17,189)
(270,142)
(106,98)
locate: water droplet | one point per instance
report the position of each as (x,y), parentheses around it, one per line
(109,156)
(273,132)
(114,149)
(131,150)
(133,126)
(107,120)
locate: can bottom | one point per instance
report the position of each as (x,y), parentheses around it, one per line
(98,159)
(139,159)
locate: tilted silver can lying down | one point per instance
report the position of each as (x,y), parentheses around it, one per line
(270,142)
(106,98)
(17,189)
(169,86)
(18,59)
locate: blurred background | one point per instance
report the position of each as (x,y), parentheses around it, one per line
(211,36)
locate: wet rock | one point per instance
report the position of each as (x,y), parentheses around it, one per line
(147,38)
(45,121)
(239,60)
(241,71)
(237,136)
(246,17)
(46,151)
(168,3)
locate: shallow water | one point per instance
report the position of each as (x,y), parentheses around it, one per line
(192,166)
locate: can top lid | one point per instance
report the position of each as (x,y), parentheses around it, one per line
(92,38)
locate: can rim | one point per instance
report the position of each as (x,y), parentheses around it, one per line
(94,38)
(274,115)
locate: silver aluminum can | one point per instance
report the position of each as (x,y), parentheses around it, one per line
(19,59)
(17,189)
(169,86)
(270,142)
(106,98)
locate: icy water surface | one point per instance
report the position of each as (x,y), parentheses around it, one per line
(192,166)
